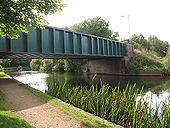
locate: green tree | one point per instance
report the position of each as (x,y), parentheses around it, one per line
(6,62)
(47,65)
(158,45)
(35,64)
(1,69)
(167,62)
(95,26)
(140,39)
(15,15)
(58,65)
(19,62)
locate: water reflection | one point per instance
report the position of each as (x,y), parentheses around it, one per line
(158,87)
(34,79)
(68,78)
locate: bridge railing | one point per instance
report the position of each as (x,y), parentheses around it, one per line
(55,40)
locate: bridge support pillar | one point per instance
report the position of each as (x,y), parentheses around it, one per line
(107,66)
(112,65)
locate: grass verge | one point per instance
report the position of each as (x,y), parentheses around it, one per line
(2,74)
(9,119)
(85,119)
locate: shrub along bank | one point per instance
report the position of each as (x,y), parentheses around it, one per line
(2,74)
(144,61)
(61,65)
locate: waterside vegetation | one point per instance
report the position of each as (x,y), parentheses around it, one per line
(60,65)
(143,61)
(2,74)
(149,62)
(117,106)
(86,120)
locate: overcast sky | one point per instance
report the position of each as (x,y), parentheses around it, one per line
(148,17)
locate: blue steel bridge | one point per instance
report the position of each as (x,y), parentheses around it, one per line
(53,42)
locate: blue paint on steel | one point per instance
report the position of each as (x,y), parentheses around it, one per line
(58,42)
(55,40)
(77,44)
(94,46)
(105,51)
(86,47)
(113,45)
(3,44)
(46,39)
(33,40)
(100,46)
(109,45)
(118,48)
(68,44)
(18,45)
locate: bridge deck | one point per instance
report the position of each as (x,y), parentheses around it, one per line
(53,42)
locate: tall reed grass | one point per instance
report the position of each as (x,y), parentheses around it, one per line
(117,106)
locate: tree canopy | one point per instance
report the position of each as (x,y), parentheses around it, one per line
(153,43)
(15,15)
(95,26)
(158,46)
(140,39)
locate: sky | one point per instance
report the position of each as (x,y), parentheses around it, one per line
(147,17)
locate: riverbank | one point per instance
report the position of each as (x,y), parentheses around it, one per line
(39,112)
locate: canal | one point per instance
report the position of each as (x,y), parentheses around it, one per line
(157,87)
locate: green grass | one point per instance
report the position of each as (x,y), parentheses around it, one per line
(9,119)
(85,119)
(2,74)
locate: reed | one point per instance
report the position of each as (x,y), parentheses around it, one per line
(115,105)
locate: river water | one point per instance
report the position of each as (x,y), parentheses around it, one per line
(157,87)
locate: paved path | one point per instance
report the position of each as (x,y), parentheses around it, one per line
(33,109)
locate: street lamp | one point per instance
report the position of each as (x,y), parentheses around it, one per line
(128,23)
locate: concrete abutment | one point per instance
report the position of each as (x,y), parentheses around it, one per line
(112,65)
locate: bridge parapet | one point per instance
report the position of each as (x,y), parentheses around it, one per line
(59,42)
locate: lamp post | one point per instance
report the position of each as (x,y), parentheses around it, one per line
(128,24)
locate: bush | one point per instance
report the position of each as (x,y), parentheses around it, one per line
(35,64)
(138,46)
(1,69)
(167,63)
(47,65)
(59,65)
(142,61)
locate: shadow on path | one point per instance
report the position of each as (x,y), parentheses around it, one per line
(33,109)
(17,98)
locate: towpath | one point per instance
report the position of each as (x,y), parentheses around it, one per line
(33,109)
